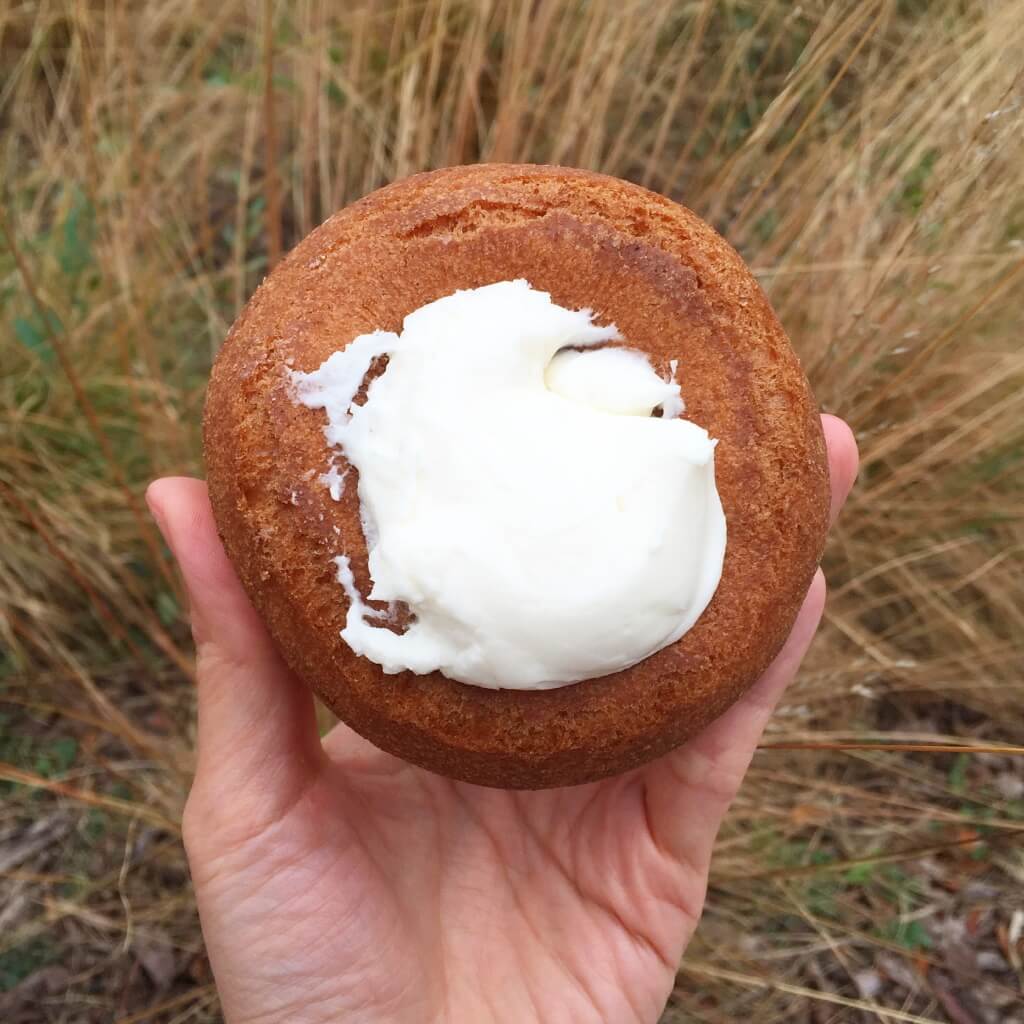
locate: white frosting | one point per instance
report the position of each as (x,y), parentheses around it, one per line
(615,380)
(540,524)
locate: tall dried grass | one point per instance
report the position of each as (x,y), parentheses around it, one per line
(866,156)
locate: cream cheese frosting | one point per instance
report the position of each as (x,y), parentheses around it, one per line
(517,494)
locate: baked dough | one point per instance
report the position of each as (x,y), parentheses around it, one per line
(676,290)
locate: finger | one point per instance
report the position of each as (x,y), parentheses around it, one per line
(842,460)
(689,791)
(257,725)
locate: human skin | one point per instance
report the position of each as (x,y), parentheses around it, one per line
(338,883)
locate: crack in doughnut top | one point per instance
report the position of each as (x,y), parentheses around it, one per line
(676,291)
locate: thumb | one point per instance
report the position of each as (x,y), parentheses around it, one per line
(257,726)
(689,790)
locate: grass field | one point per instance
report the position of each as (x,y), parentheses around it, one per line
(866,156)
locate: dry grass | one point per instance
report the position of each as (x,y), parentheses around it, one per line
(866,156)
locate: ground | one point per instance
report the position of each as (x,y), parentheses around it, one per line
(866,157)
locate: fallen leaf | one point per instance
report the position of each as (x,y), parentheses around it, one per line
(1015,940)
(199,969)
(868,982)
(952,1002)
(990,960)
(155,953)
(1010,785)
(808,814)
(47,981)
(26,843)
(896,970)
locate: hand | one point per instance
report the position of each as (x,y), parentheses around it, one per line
(337,883)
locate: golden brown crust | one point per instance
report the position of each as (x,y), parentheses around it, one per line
(676,290)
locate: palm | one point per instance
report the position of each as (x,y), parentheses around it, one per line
(445,893)
(439,896)
(335,882)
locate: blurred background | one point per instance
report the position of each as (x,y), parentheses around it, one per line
(865,156)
